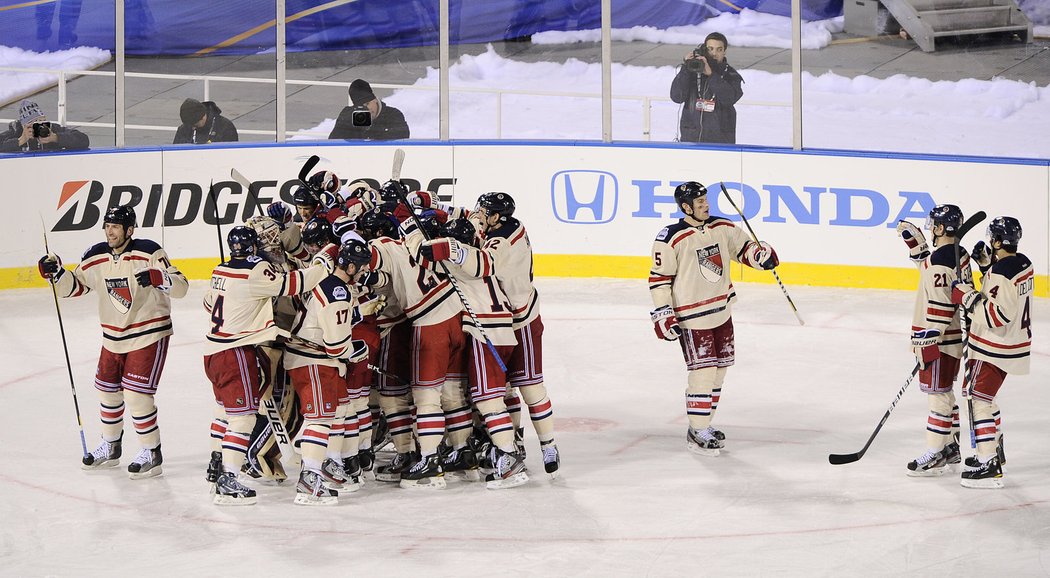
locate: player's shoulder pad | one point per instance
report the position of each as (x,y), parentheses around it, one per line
(1011,266)
(504,232)
(144,246)
(670,231)
(945,256)
(335,289)
(95,250)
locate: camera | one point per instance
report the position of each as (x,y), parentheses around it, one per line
(41,129)
(361,116)
(694,64)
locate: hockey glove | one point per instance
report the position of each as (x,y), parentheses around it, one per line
(423,200)
(924,344)
(326,257)
(358,351)
(444,249)
(665,324)
(373,306)
(279,212)
(50,267)
(154,277)
(965,295)
(371,279)
(918,249)
(765,257)
(982,255)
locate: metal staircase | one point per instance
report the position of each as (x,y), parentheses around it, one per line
(927,21)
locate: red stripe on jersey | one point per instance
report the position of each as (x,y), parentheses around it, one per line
(702,303)
(134,325)
(517,236)
(940,312)
(658,278)
(292,287)
(221,334)
(717,224)
(685,235)
(995,318)
(136,258)
(1024,277)
(222,273)
(90,264)
(999,345)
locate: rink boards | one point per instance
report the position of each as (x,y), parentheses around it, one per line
(591,209)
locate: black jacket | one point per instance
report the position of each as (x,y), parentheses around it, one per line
(69,139)
(390,124)
(217,128)
(724,86)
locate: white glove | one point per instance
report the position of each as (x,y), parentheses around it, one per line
(918,249)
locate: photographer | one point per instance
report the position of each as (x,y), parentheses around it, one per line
(708,88)
(369,118)
(32,132)
(203,123)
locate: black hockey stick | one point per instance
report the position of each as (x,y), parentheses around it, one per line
(964,323)
(65,349)
(304,173)
(218,227)
(839,459)
(395,175)
(253,195)
(754,237)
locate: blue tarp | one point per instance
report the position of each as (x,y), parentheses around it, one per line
(182,27)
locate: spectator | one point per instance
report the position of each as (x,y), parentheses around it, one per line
(203,123)
(708,89)
(388,123)
(46,136)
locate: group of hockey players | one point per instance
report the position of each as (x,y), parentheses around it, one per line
(359,306)
(988,329)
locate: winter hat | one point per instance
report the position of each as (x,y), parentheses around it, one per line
(28,111)
(361,92)
(192,110)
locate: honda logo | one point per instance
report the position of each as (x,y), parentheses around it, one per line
(584,197)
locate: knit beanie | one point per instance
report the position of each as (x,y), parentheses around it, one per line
(28,111)
(192,111)
(361,92)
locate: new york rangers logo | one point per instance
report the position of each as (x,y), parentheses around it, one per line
(119,294)
(710,259)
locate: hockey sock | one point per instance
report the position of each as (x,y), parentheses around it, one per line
(985,427)
(698,397)
(716,390)
(314,443)
(939,422)
(364,422)
(351,432)
(111,410)
(430,419)
(218,428)
(144,416)
(540,411)
(235,441)
(497,423)
(513,403)
(955,422)
(398,421)
(337,432)
(459,418)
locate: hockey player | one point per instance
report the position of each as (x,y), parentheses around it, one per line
(291,236)
(241,319)
(306,203)
(1000,340)
(316,359)
(693,295)
(507,244)
(936,336)
(135,283)
(492,324)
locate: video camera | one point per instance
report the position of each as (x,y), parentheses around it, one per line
(41,129)
(361,116)
(694,64)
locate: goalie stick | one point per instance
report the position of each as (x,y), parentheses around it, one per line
(395,175)
(838,459)
(65,349)
(755,239)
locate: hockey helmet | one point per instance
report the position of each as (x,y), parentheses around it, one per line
(391,195)
(242,241)
(318,232)
(353,251)
(950,216)
(461,230)
(304,197)
(499,203)
(121,215)
(687,191)
(376,223)
(431,222)
(269,233)
(1006,230)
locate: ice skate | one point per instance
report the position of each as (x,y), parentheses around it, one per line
(519,441)
(479,443)
(461,464)
(988,475)
(508,470)
(229,491)
(367,459)
(702,443)
(146,464)
(425,474)
(106,455)
(928,464)
(551,459)
(354,474)
(312,491)
(717,434)
(214,467)
(392,472)
(951,453)
(333,474)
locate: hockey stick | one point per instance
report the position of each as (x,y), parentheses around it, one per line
(964,324)
(304,173)
(755,239)
(218,227)
(839,459)
(387,374)
(395,175)
(65,348)
(253,196)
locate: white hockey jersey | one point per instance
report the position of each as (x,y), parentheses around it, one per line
(690,270)
(239,300)
(1001,324)
(132,317)
(507,252)
(425,298)
(323,327)
(933,301)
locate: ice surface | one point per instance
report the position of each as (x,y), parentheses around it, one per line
(631,500)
